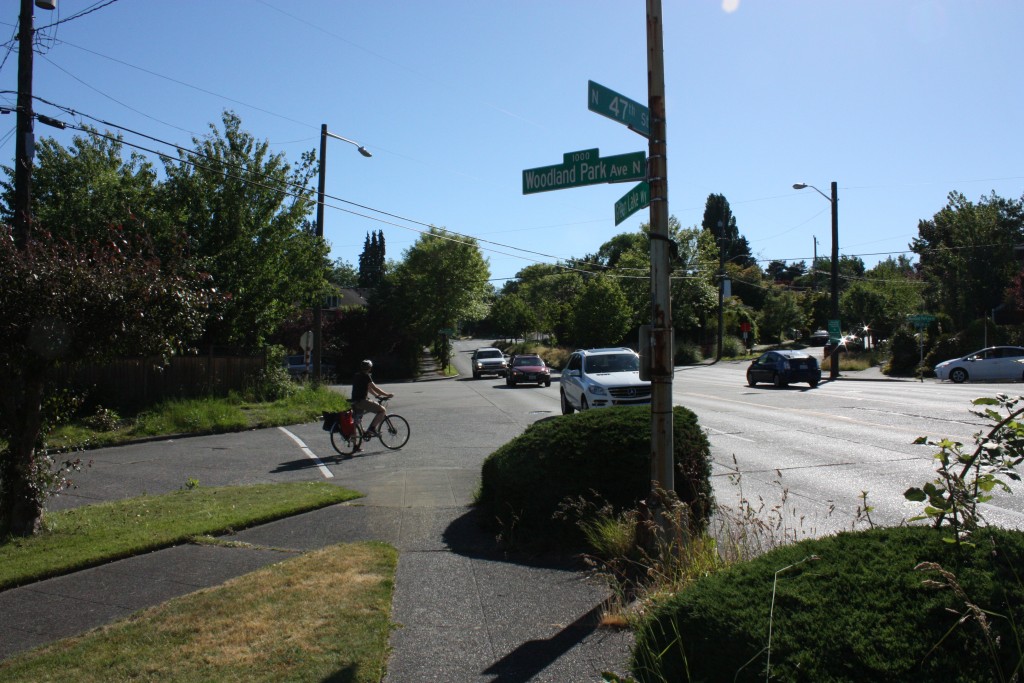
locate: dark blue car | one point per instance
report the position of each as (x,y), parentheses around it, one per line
(784,367)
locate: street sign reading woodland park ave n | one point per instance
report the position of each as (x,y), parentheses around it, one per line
(585,167)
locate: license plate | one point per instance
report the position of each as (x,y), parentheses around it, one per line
(533,377)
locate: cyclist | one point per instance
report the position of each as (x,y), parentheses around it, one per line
(362,388)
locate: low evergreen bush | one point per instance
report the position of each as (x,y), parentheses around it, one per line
(592,454)
(852,607)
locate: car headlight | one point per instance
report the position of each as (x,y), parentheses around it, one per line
(597,390)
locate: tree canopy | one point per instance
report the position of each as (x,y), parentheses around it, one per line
(967,256)
(243,210)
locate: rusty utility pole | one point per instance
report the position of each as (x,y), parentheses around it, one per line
(662,356)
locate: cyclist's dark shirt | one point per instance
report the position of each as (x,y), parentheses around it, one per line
(360,386)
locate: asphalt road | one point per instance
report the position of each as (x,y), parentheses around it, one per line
(818,449)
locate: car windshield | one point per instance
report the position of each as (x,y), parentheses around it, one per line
(520,361)
(494,353)
(612,362)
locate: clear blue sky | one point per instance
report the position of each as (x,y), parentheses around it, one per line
(900,102)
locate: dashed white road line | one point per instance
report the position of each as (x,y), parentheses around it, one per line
(310,454)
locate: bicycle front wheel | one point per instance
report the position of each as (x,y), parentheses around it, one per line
(345,445)
(394,432)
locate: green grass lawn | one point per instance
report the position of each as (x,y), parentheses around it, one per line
(323,616)
(90,535)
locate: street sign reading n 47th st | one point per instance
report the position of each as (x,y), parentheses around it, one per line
(585,167)
(607,102)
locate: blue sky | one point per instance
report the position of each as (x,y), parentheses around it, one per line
(899,102)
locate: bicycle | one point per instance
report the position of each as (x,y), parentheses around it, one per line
(393,432)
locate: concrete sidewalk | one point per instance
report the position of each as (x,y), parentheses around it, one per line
(464,610)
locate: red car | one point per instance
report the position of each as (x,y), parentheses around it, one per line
(528,369)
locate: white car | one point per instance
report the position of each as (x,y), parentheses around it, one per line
(601,378)
(489,361)
(996,363)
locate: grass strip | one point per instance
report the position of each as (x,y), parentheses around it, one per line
(209,415)
(323,616)
(94,534)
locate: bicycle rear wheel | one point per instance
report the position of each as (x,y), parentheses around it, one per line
(345,445)
(394,432)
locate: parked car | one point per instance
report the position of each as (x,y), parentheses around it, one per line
(528,368)
(996,363)
(601,378)
(784,367)
(297,366)
(819,338)
(489,361)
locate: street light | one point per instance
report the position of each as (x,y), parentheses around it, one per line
(834,201)
(317,308)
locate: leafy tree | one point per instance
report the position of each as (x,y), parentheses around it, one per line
(966,254)
(80,192)
(343,274)
(780,314)
(783,273)
(719,221)
(372,262)
(551,291)
(244,209)
(512,316)
(601,316)
(748,284)
(442,281)
(63,304)
(885,297)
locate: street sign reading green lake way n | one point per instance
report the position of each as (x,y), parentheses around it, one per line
(634,200)
(585,167)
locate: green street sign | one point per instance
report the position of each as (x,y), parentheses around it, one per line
(631,114)
(585,167)
(921,321)
(835,331)
(634,200)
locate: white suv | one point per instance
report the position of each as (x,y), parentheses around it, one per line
(489,361)
(601,378)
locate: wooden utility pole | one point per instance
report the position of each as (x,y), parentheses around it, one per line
(662,357)
(23,133)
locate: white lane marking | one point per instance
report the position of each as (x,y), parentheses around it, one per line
(310,454)
(732,436)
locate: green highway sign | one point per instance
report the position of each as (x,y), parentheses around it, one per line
(606,102)
(585,167)
(634,200)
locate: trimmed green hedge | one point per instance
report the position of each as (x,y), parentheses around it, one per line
(858,613)
(604,451)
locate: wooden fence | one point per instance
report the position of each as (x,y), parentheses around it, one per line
(132,383)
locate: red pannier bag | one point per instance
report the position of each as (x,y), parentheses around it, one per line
(346,424)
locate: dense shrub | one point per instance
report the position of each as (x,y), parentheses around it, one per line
(272,382)
(733,347)
(688,353)
(850,607)
(904,354)
(602,453)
